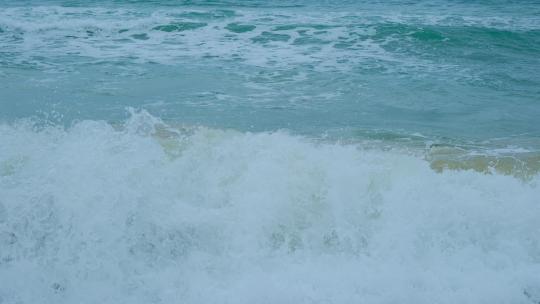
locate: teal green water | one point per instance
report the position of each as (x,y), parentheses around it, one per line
(463,70)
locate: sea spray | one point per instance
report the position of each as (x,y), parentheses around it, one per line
(96,213)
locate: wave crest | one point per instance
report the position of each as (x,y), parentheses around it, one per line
(146,213)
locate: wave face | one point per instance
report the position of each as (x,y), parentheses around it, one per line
(141,212)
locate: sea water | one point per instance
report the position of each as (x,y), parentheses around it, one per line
(269,151)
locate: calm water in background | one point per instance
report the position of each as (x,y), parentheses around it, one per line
(188,151)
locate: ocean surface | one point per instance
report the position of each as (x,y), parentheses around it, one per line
(247,151)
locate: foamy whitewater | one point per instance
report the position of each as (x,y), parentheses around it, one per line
(269,152)
(94,214)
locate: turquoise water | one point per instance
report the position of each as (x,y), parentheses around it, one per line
(269,151)
(460,70)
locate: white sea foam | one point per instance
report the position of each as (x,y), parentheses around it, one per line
(95,33)
(142,213)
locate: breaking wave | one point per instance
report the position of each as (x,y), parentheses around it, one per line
(145,213)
